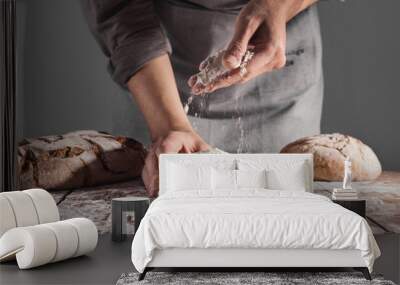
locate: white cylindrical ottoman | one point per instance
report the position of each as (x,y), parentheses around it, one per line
(26,208)
(45,205)
(7,218)
(40,244)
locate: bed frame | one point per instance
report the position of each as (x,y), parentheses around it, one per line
(245,259)
(234,257)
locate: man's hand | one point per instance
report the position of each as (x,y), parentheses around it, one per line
(174,142)
(260,27)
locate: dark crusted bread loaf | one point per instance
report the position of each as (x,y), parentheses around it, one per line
(78,159)
(330,151)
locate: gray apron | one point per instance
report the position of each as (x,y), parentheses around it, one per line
(267,112)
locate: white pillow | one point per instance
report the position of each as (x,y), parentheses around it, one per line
(224,179)
(292,178)
(251,178)
(227,179)
(188,177)
(292,175)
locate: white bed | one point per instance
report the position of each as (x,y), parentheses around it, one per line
(201,223)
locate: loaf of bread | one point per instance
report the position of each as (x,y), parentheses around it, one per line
(78,159)
(330,151)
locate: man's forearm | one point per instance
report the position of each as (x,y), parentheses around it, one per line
(287,9)
(154,89)
(298,6)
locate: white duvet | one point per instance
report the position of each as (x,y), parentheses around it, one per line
(253,218)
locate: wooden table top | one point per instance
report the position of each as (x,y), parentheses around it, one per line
(382,195)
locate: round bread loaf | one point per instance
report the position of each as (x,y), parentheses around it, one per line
(330,151)
(78,159)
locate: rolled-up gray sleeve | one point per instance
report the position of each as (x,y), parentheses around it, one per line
(129,33)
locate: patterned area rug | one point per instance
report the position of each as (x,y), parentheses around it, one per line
(268,278)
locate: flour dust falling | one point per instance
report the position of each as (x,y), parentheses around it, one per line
(211,69)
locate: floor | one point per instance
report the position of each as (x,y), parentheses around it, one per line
(103,266)
(111,259)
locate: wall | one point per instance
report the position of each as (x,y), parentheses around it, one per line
(64,78)
(361,65)
(65,86)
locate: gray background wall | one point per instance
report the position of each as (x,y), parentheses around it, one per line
(64,84)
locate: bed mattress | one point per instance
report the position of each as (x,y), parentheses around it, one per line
(250,219)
